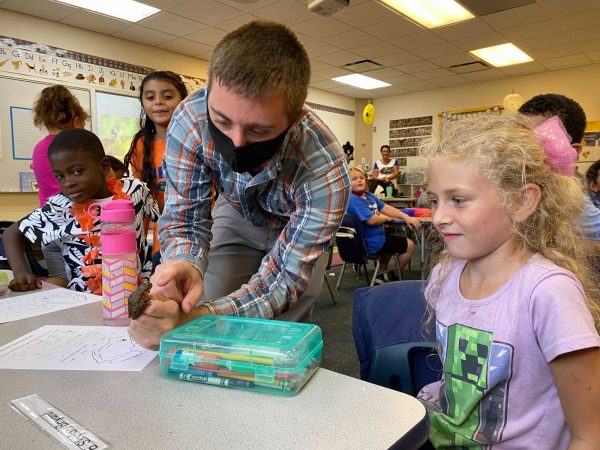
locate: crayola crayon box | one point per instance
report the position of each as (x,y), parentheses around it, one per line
(256,354)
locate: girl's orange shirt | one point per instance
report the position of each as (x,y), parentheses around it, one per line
(158,176)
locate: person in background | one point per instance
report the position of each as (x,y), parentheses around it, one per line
(56,109)
(592,176)
(117,166)
(81,168)
(539,109)
(386,169)
(374,213)
(283,189)
(160,93)
(515,304)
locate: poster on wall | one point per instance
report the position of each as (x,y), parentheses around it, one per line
(65,66)
(117,121)
(24,134)
(406,136)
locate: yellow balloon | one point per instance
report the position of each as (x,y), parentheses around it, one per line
(369,114)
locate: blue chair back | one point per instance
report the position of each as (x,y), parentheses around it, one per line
(394,348)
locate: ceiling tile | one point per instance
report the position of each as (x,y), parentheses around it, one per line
(209,36)
(333,72)
(436,51)
(484,75)
(558,8)
(585,34)
(350,39)
(453,60)
(529,31)
(204,55)
(375,50)
(521,69)
(390,29)
(339,58)
(317,48)
(481,41)
(236,22)
(285,12)
(185,46)
(366,14)
(384,74)
(589,46)
(594,56)
(41,8)
(416,86)
(164,5)
(418,66)
(248,6)
(403,79)
(581,20)
(517,16)
(417,40)
(321,27)
(171,24)
(540,43)
(434,73)
(397,59)
(462,30)
(390,90)
(454,80)
(565,61)
(318,65)
(325,84)
(554,52)
(144,35)
(95,22)
(208,11)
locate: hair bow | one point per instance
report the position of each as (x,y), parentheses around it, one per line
(557,145)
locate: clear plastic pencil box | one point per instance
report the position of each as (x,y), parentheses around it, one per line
(256,354)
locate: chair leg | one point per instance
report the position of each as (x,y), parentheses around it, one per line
(398,266)
(374,274)
(337,285)
(330,290)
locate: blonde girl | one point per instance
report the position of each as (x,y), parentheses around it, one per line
(515,306)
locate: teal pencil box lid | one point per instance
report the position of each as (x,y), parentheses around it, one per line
(237,352)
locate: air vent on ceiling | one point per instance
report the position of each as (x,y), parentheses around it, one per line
(363,66)
(475,66)
(484,7)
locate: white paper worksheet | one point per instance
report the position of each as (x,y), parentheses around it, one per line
(41,302)
(69,347)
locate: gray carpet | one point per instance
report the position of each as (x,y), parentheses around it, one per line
(339,353)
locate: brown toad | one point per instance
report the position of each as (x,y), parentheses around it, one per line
(139,300)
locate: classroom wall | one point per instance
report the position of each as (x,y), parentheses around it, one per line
(578,83)
(342,125)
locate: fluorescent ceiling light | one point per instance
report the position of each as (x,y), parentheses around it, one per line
(430,13)
(502,55)
(361,81)
(129,10)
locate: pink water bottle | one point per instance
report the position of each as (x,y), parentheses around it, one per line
(119,260)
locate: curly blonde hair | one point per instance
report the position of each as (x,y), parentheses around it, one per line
(509,155)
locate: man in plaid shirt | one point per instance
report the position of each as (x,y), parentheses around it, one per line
(282,185)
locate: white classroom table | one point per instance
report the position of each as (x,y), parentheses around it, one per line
(143,410)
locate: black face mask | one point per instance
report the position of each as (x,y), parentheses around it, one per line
(248,157)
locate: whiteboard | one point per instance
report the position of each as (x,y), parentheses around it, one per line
(17,131)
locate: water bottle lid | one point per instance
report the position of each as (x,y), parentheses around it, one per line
(118,243)
(118,211)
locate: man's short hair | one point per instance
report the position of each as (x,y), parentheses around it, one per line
(568,111)
(260,59)
(77,140)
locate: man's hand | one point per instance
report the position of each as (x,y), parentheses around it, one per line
(178,280)
(24,282)
(160,317)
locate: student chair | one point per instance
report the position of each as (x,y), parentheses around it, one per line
(353,251)
(395,348)
(36,268)
(325,275)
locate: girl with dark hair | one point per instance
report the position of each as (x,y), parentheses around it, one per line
(160,93)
